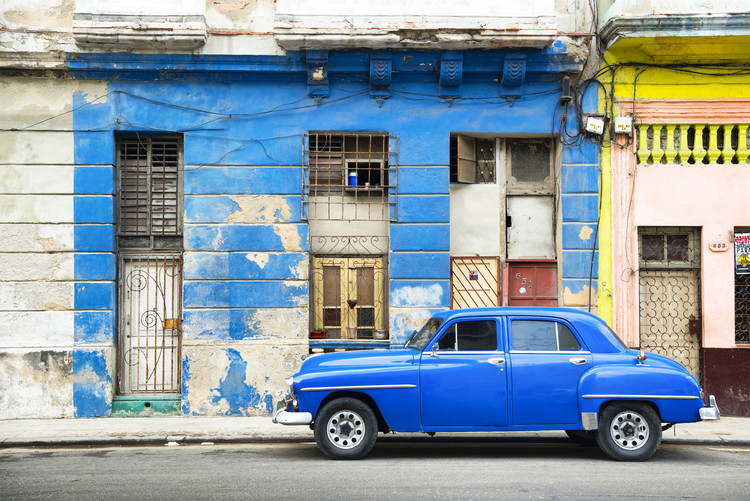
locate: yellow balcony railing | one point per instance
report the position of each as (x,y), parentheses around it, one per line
(693,143)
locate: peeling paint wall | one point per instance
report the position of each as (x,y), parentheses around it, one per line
(56,310)
(237,380)
(579,206)
(245,289)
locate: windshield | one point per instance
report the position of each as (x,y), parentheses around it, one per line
(419,339)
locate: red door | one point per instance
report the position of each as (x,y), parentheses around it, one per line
(531,283)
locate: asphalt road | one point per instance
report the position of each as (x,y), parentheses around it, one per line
(396,469)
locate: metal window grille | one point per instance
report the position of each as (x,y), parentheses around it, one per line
(742,309)
(150,314)
(149,186)
(350,176)
(670,302)
(741,286)
(693,144)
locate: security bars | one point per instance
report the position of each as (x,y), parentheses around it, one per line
(350,176)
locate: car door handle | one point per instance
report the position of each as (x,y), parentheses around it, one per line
(578,361)
(496,361)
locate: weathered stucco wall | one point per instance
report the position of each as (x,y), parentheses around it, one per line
(39,33)
(697,195)
(56,334)
(245,296)
(245,286)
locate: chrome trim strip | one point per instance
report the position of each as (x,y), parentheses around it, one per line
(662,397)
(363,387)
(462,353)
(566,352)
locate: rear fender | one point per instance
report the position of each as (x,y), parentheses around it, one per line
(674,394)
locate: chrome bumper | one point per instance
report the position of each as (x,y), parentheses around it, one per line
(283,416)
(710,413)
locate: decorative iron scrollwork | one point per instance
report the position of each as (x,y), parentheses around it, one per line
(150,327)
(349,245)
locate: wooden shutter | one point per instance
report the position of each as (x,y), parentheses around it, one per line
(149,186)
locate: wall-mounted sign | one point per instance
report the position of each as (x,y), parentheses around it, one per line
(718,246)
(742,253)
(474,275)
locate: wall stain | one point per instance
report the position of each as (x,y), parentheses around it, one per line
(289,235)
(259,258)
(54,307)
(254,209)
(585,233)
(417,296)
(580,298)
(234,390)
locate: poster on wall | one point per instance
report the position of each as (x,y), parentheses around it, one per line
(742,253)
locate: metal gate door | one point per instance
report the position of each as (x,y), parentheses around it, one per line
(475,282)
(669,283)
(150,327)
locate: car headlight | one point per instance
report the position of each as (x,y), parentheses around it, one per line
(290,383)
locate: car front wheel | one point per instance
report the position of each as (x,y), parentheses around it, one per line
(629,431)
(346,428)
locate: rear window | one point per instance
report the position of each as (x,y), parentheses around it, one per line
(542,335)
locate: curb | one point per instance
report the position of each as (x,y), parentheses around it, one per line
(199,440)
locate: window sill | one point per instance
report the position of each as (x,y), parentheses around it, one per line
(353,344)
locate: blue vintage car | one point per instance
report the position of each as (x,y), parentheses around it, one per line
(497,369)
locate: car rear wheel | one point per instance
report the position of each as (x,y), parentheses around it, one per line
(629,431)
(346,428)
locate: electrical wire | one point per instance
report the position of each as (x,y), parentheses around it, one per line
(88,103)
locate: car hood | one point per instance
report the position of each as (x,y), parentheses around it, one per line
(358,359)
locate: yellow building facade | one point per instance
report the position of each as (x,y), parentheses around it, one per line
(675,178)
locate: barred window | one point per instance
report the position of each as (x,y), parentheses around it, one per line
(149,190)
(350,176)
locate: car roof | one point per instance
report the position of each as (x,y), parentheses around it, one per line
(516,311)
(585,322)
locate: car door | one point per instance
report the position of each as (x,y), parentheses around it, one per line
(547,359)
(463,378)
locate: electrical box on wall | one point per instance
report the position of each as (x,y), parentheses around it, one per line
(595,125)
(623,125)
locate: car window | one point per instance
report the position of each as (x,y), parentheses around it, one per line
(567,341)
(542,335)
(473,335)
(419,339)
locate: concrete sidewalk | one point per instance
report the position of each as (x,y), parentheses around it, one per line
(184,430)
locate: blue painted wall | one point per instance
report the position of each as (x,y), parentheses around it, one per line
(243,120)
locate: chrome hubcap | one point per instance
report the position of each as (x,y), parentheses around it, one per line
(345,429)
(629,430)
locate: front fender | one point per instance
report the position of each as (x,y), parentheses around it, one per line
(393,389)
(675,394)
